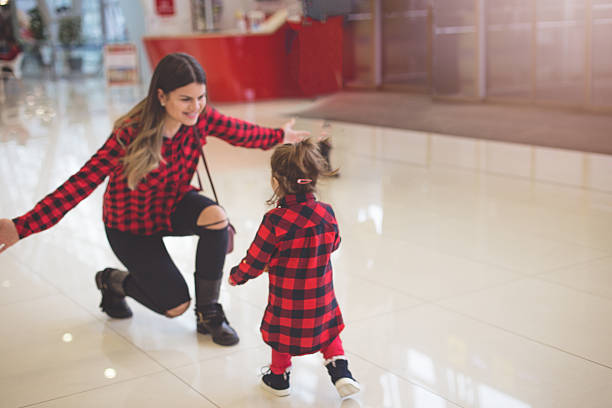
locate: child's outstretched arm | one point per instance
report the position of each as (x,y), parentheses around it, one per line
(258,255)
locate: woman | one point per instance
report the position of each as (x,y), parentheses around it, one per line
(150,159)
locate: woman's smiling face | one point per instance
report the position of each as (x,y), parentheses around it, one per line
(184,104)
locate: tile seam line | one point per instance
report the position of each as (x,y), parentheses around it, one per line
(485,172)
(605,251)
(99,319)
(367,279)
(482,289)
(492,264)
(381,314)
(412,382)
(517,334)
(106,323)
(576,264)
(525,276)
(586,292)
(119,334)
(549,238)
(18,302)
(455,255)
(144,352)
(190,386)
(194,389)
(92,389)
(180,366)
(494,326)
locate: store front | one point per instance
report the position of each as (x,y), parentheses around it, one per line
(65,38)
(545,52)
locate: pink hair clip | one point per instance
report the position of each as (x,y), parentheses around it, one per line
(304,181)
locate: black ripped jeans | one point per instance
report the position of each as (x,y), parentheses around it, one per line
(154,280)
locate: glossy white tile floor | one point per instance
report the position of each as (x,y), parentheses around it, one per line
(471,274)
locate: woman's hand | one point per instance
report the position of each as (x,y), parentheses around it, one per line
(8,234)
(293,136)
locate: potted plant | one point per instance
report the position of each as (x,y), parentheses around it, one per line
(38,31)
(69,34)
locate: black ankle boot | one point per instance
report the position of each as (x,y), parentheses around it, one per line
(211,320)
(113,303)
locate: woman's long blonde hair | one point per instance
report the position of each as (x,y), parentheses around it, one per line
(143,154)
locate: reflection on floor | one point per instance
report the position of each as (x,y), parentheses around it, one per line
(471,273)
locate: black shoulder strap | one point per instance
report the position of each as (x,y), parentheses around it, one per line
(201,148)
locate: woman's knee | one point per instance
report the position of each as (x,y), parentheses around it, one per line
(212,217)
(179,310)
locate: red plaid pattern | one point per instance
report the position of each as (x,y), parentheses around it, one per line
(146,209)
(295,240)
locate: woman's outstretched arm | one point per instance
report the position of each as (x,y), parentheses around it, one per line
(241,133)
(55,205)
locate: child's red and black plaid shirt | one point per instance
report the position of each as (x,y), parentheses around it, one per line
(146,209)
(295,240)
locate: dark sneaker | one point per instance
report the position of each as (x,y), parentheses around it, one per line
(277,384)
(342,377)
(211,320)
(112,304)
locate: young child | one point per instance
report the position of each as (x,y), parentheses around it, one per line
(294,244)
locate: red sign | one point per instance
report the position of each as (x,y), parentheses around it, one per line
(164,7)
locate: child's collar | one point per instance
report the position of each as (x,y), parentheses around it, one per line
(293,199)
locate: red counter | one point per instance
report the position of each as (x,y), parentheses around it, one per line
(297,60)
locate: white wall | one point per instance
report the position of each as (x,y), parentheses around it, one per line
(181,22)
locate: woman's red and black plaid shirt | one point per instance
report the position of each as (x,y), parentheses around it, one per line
(146,209)
(295,241)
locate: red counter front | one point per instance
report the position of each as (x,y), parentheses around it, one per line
(294,61)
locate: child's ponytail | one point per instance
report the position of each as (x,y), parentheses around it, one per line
(297,167)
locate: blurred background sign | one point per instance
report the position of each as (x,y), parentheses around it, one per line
(121,64)
(164,7)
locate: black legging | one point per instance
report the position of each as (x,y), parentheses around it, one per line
(154,279)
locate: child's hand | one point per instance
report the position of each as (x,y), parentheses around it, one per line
(231,281)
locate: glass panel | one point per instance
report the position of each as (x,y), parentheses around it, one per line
(114,22)
(92,22)
(509,45)
(454,48)
(33,35)
(560,73)
(405,53)
(602,56)
(358,61)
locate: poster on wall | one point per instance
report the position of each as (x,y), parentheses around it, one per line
(121,64)
(164,7)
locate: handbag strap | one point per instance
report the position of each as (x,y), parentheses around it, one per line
(201,148)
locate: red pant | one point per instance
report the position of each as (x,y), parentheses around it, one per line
(282,361)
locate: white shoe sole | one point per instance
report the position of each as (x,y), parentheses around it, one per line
(278,393)
(346,387)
